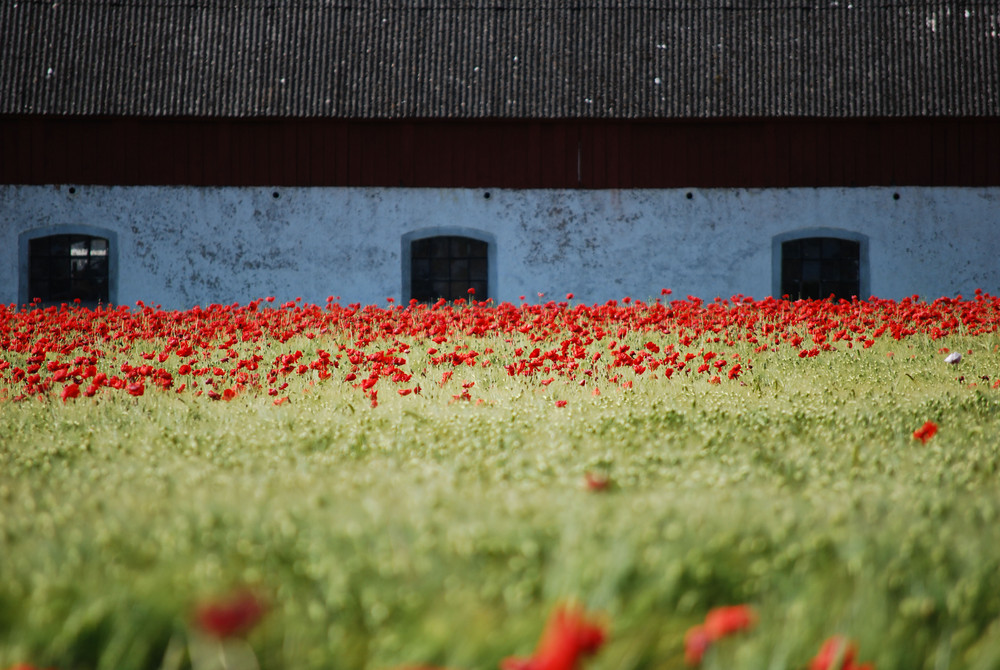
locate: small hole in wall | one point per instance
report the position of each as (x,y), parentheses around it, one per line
(689,195)
(72,190)
(895,196)
(487,195)
(275,195)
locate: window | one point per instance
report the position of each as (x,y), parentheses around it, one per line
(818,267)
(447,266)
(63,268)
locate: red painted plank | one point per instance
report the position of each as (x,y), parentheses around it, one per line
(196,163)
(966,169)
(552,150)
(354,150)
(36,153)
(533,154)
(939,141)
(55,153)
(405,153)
(372,153)
(599,155)
(623,142)
(307,153)
(992,153)
(980,143)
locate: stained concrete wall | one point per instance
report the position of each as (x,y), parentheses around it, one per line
(181,246)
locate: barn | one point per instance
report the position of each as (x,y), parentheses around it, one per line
(218,151)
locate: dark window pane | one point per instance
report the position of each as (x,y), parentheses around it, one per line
(449,267)
(63,268)
(439,247)
(460,269)
(421,268)
(477,269)
(812,247)
(420,248)
(831,247)
(810,271)
(816,267)
(440,268)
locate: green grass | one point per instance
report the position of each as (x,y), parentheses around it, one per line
(426,531)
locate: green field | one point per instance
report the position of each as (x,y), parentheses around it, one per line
(431,530)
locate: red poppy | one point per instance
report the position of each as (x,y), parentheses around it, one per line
(926,431)
(838,653)
(719,623)
(696,643)
(596,481)
(568,636)
(136,389)
(230,616)
(70,391)
(723,621)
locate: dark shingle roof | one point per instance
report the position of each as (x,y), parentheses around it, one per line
(500,58)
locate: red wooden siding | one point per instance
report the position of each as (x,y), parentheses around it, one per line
(501,154)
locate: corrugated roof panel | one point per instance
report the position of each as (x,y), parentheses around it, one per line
(501,58)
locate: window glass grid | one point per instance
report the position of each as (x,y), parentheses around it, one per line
(63,268)
(447,267)
(818,267)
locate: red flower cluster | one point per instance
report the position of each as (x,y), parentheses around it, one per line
(233,615)
(223,351)
(568,636)
(719,623)
(926,432)
(838,653)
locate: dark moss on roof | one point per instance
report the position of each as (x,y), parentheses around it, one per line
(497,59)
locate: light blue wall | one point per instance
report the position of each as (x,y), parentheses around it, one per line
(181,246)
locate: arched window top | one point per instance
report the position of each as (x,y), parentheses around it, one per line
(819,263)
(68,264)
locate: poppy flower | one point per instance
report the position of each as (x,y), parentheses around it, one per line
(926,431)
(136,389)
(568,636)
(696,643)
(596,481)
(838,653)
(719,623)
(230,616)
(723,621)
(70,391)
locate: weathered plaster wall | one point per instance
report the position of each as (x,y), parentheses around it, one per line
(181,246)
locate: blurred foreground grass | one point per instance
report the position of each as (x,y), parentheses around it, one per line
(432,532)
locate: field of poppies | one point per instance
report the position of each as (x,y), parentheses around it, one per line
(660,483)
